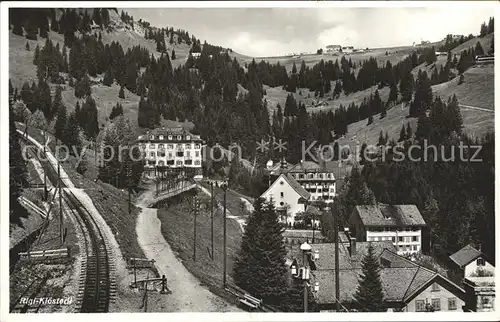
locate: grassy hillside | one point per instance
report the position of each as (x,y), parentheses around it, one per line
(395,54)
(485,43)
(275,95)
(477,90)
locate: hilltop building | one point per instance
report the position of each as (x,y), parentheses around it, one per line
(400,224)
(173,148)
(348,49)
(333,49)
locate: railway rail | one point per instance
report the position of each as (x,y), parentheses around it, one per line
(96,285)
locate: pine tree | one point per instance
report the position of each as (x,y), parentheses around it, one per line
(121,93)
(61,120)
(17,176)
(39,121)
(402,134)
(381,139)
(27,46)
(88,115)
(369,296)
(409,132)
(479,49)
(173,54)
(393,94)
(116,111)
(262,256)
(370,120)
(108,78)
(72,134)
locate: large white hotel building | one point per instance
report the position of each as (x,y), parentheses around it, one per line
(171,147)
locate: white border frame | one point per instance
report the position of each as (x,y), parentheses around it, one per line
(125,317)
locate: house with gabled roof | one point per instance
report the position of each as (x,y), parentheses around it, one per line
(401,224)
(288,197)
(472,262)
(406,285)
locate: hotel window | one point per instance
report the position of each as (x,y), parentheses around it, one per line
(170,156)
(197,154)
(400,239)
(452,304)
(420,306)
(414,238)
(414,248)
(188,146)
(179,137)
(161,146)
(197,162)
(188,154)
(170,146)
(179,162)
(393,239)
(196,146)
(188,137)
(435,287)
(436,304)
(170,137)
(152,137)
(161,137)
(180,153)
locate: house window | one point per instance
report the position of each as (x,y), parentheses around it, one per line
(436,304)
(179,137)
(414,248)
(480,262)
(435,287)
(170,146)
(180,153)
(420,305)
(188,154)
(170,137)
(282,183)
(188,146)
(152,137)
(188,137)
(310,176)
(282,194)
(161,137)
(179,162)
(393,239)
(452,304)
(152,146)
(320,176)
(196,146)
(282,204)
(152,154)
(400,239)
(161,146)
(197,154)
(301,176)
(197,162)
(170,155)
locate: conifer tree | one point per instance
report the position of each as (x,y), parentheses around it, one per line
(479,49)
(173,54)
(402,134)
(369,296)
(61,120)
(27,46)
(17,176)
(370,119)
(121,94)
(72,134)
(260,265)
(108,77)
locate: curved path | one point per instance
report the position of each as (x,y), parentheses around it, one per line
(187,293)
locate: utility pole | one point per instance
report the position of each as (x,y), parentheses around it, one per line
(337,266)
(45,190)
(195,213)
(212,216)
(60,196)
(225,259)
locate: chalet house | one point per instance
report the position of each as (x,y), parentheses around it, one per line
(407,286)
(333,48)
(472,262)
(400,224)
(288,197)
(318,180)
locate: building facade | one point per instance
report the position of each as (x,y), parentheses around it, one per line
(400,224)
(171,148)
(315,179)
(472,262)
(288,197)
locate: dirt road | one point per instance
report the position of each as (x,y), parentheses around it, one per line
(187,293)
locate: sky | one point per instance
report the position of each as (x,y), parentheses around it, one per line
(260,32)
